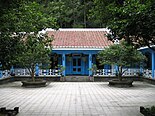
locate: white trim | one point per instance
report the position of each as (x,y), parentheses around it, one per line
(146,47)
(79,29)
(78,49)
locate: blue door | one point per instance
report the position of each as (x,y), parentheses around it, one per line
(76,65)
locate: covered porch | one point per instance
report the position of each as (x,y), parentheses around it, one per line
(76,62)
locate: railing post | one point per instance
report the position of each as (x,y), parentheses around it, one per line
(50,72)
(24,71)
(6,73)
(103,71)
(18,72)
(41,72)
(44,72)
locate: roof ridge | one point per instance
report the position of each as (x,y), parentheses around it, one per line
(79,29)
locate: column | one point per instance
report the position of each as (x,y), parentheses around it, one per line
(153,64)
(141,70)
(90,64)
(12,71)
(64,63)
(1,70)
(37,70)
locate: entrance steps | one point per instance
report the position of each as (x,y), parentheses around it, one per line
(78,79)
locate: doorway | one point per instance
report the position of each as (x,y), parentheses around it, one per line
(76,66)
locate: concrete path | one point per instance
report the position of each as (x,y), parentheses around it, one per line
(77,99)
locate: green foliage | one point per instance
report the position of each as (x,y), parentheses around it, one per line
(61,68)
(93,69)
(18,17)
(99,13)
(122,55)
(151,110)
(70,13)
(36,49)
(122,16)
(28,17)
(133,21)
(9,48)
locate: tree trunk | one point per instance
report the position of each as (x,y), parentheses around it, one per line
(120,73)
(32,75)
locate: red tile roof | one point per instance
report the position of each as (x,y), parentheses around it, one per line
(79,38)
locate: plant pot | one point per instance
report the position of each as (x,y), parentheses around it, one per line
(12,74)
(37,83)
(91,78)
(62,78)
(123,83)
(146,111)
(9,112)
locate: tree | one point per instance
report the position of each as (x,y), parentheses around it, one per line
(36,49)
(18,17)
(70,14)
(10,47)
(8,43)
(134,21)
(99,13)
(122,55)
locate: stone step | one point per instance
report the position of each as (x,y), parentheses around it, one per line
(78,79)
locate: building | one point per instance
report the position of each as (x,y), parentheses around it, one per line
(149,65)
(76,49)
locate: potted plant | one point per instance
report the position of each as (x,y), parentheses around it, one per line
(93,69)
(60,70)
(121,55)
(30,48)
(148,111)
(36,49)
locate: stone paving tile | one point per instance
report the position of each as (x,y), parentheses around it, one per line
(77,99)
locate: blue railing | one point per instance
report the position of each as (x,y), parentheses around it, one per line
(53,72)
(4,74)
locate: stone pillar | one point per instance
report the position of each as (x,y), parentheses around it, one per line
(90,64)
(64,63)
(153,64)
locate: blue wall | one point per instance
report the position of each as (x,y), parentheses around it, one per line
(68,63)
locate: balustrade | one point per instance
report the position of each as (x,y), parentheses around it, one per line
(147,73)
(100,72)
(113,72)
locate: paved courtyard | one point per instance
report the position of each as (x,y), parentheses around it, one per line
(77,99)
